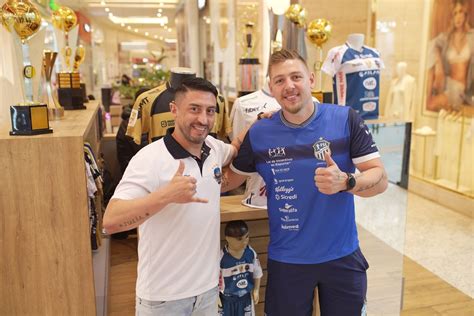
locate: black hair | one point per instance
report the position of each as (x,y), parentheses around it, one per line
(195,83)
(236,229)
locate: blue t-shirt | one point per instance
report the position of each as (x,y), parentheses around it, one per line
(307,226)
(356,78)
(237,275)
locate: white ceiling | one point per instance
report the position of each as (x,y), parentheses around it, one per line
(96,10)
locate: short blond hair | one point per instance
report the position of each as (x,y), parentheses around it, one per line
(283,55)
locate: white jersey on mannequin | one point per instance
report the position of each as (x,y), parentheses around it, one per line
(244,113)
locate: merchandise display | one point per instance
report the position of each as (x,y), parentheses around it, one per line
(355,69)
(151,111)
(244,113)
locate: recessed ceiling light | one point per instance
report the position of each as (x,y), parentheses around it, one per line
(156,36)
(129,27)
(146,33)
(102,2)
(160,10)
(161,38)
(169,30)
(107,9)
(136,30)
(122,25)
(158,15)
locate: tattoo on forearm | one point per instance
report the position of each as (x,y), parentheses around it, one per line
(225,182)
(369,186)
(133,221)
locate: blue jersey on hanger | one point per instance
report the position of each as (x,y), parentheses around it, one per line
(307,226)
(356,78)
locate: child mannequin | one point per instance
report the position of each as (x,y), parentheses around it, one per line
(240,273)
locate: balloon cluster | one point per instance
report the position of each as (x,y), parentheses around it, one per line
(22,17)
(64,19)
(318,31)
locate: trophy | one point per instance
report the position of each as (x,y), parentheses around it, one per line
(318,33)
(69,83)
(56,111)
(29,117)
(248,63)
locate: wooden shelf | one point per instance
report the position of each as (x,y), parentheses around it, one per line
(45,243)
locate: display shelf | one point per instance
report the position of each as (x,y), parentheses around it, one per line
(47,266)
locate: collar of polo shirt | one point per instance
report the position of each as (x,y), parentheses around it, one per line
(178,152)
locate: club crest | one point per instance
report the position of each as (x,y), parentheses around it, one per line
(320,147)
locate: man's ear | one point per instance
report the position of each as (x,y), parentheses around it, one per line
(173,107)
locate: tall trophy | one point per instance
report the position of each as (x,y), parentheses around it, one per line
(22,19)
(69,83)
(318,33)
(248,64)
(56,111)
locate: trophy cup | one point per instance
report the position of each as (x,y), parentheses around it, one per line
(69,84)
(318,33)
(29,117)
(56,111)
(248,63)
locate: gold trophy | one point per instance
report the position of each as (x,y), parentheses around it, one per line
(318,33)
(29,117)
(56,111)
(248,64)
(69,83)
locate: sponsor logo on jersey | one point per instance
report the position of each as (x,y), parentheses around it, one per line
(286,197)
(167,123)
(217,174)
(133,118)
(251,110)
(287,219)
(276,152)
(242,284)
(369,106)
(283,189)
(370,83)
(321,147)
(290,227)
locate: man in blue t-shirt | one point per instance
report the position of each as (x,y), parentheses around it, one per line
(307,154)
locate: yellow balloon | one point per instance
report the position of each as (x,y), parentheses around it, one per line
(64,19)
(319,31)
(6,15)
(26,19)
(296,14)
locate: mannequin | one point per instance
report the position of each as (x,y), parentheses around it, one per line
(240,272)
(401,95)
(151,111)
(356,40)
(244,113)
(355,69)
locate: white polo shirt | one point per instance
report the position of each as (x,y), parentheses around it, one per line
(178,250)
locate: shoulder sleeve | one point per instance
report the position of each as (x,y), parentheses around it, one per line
(257,267)
(138,181)
(139,122)
(330,64)
(362,146)
(244,163)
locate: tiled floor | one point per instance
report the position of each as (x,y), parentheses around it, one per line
(439,239)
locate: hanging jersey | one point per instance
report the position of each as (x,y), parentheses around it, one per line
(307,226)
(244,113)
(237,275)
(151,115)
(356,78)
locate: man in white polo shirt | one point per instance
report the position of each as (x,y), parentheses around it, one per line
(171,191)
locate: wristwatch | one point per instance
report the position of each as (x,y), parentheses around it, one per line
(350,182)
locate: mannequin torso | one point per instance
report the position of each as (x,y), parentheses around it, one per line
(356,41)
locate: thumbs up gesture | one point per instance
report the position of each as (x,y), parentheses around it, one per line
(329,180)
(181,189)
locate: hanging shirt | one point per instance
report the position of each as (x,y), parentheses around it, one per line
(356,78)
(151,115)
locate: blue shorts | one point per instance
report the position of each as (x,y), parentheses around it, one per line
(341,283)
(235,306)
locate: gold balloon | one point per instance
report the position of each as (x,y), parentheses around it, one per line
(64,19)
(296,14)
(319,31)
(7,15)
(26,19)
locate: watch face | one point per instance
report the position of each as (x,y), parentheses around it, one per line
(351,181)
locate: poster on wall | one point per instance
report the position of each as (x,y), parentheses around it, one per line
(450,58)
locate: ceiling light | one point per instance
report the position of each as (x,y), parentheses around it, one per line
(156,36)
(133,46)
(107,9)
(145,60)
(139,20)
(171,40)
(102,2)
(136,30)
(134,66)
(146,34)
(169,30)
(111,14)
(161,38)
(129,27)
(158,15)
(122,24)
(160,10)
